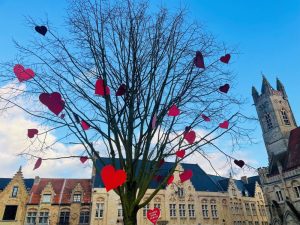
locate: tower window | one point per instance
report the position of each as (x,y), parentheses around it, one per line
(269,121)
(285,117)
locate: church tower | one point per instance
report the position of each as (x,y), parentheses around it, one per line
(275,116)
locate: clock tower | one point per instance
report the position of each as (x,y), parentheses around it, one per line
(275,116)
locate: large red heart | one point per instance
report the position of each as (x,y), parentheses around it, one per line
(240,163)
(32,132)
(153,215)
(53,101)
(190,136)
(198,60)
(170,180)
(112,178)
(83,159)
(99,88)
(121,90)
(180,153)
(23,74)
(225,58)
(173,111)
(186,175)
(37,163)
(224,125)
(224,88)
(206,118)
(85,125)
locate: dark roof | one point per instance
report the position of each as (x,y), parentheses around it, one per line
(5,181)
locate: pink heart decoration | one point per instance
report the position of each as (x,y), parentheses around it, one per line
(83,159)
(153,122)
(170,180)
(180,153)
(53,101)
(153,215)
(224,125)
(205,118)
(198,60)
(112,178)
(23,74)
(32,132)
(121,90)
(37,163)
(186,175)
(190,136)
(99,88)
(225,58)
(85,125)
(173,111)
(240,163)
(62,116)
(224,88)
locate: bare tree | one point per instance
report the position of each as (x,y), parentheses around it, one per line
(148,58)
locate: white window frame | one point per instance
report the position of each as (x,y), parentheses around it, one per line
(191,209)
(181,208)
(99,210)
(172,210)
(46,198)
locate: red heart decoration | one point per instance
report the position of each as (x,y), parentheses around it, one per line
(153,122)
(112,178)
(186,175)
(170,180)
(83,159)
(99,88)
(37,163)
(53,101)
(198,60)
(121,90)
(224,88)
(225,58)
(190,136)
(153,215)
(23,74)
(32,132)
(224,125)
(180,153)
(85,125)
(206,118)
(240,163)
(62,116)
(173,111)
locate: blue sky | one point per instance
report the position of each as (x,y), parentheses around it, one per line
(265,33)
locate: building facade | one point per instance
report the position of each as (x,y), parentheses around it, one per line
(281,179)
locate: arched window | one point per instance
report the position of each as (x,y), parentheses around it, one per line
(278,194)
(84,216)
(44,216)
(64,216)
(296,188)
(100,208)
(268,121)
(213,207)
(31,216)
(204,208)
(285,117)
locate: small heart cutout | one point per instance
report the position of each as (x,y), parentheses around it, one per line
(153,215)
(225,58)
(112,178)
(83,159)
(180,153)
(170,180)
(32,132)
(62,116)
(190,136)
(41,30)
(224,125)
(37,163)
(121,90)
(198,60)
(186,175)
(239,163)
(224,88)
(99,88)
(173,111)
(85,125)
(23,74)
(53,101)
(205,118)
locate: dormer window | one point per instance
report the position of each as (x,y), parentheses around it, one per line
(77,198)
(46,198)
(15,192)
(268,121)
(180,192)
(285,117)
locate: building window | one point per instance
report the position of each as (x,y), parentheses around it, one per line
(172,210)
(268,121)
(214,211)
(256,223)
(145,210)
(279,195)
(263,210)
(99,210)
(64,217)
(180,192)
(233,191)
(250,223)
(31,218)
(120,210)
(10,212)
(285,117)
(191,210)
(259,195)
(84,217)
(254,213)
(247,207)
(181,210)
(157,205)
(43,217)
(204,209)
(15,191)
(77,198)
(297,191)
(46,198)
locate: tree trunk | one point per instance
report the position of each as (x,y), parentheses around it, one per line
(131,218)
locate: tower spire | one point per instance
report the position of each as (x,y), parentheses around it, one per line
(266,86)
(281,88)
(255,94)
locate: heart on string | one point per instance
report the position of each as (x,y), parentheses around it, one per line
(62,116)
(85,125)
(173,111)
(190,136)
(37,163)
(187,129)
(121,90)
(41,30)
(153,122)
(32,132)
(23,74)
(224,88)
(240,163)
(170,180)
(53,101)
(99,88)
(198,60)
(180,153)
(112,178)
(83,159)
(224,125)
(205,118)
(225,58)
(153,215)
(186,175)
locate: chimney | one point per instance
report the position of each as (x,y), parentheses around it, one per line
(244,179)
(37,180)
